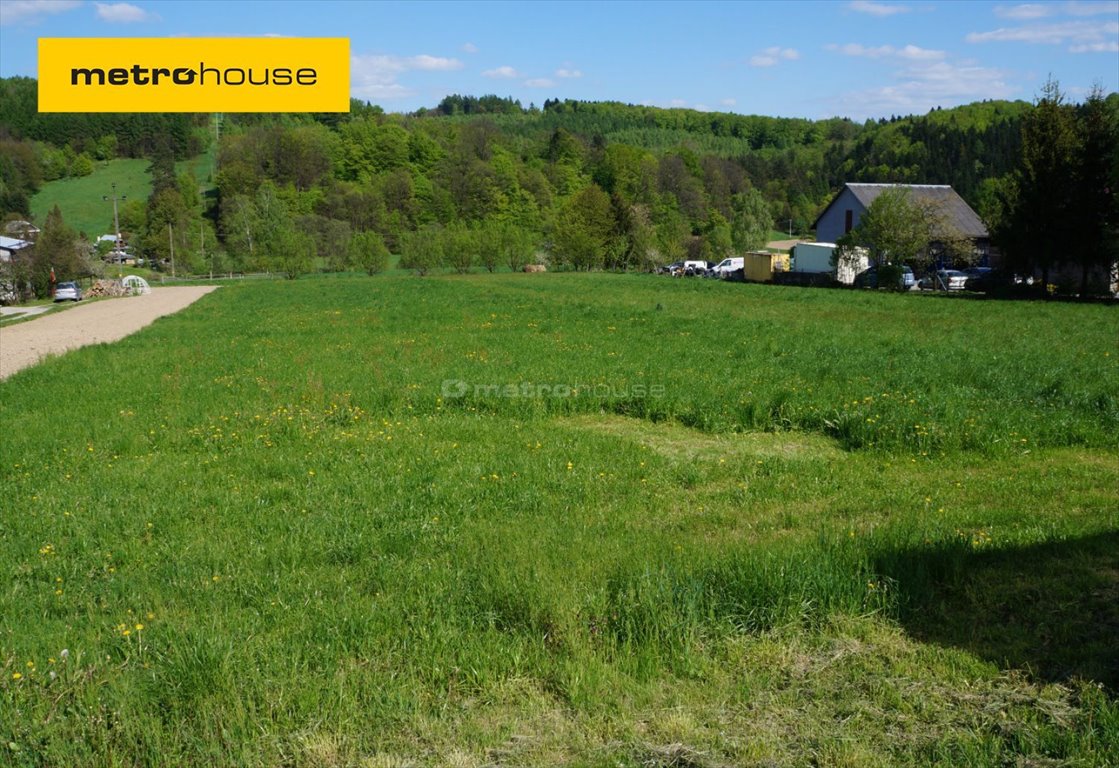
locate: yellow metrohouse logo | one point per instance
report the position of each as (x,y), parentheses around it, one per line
(214,74)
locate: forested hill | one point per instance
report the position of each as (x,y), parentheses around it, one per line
(795,163)
(788,157)
(630,184)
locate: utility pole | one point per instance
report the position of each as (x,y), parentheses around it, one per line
(171,240)
(202,247)
(116,219)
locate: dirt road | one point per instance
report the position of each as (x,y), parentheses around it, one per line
(26,343)
(783,245)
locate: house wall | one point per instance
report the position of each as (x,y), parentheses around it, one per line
(832,225)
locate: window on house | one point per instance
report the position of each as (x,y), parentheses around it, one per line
(847,220)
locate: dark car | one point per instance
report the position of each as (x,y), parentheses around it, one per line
(997,281)
(671,269)
(868,278)
(976,271)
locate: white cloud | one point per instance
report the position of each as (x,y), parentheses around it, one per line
(677,103)
(506,72)
(31,11)
(913,53)
(432,63)
(1024,12)
(701,108)
(568,73)
(772,55)
(877,9)
(854,49)
(1112,47)
(909,52)
(924,85)
(374,76)
(540,82)
(1075,8)
(123,13)
(1059,33)
(728,102)
(469,48)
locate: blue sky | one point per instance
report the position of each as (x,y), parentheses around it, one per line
(859,59)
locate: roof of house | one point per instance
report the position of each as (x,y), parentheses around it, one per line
(12,244)
(957,212)
(21,227)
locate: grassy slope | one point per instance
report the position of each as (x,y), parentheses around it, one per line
(80,199)
(335,560)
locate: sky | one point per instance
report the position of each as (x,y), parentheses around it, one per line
(815,59)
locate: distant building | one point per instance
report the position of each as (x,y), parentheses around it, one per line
(847,208)
(10,246)
(22,230)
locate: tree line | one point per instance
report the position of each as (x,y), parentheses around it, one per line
(590,184)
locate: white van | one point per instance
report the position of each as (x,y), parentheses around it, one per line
(726,266)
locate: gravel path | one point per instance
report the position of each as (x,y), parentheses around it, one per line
(26,343)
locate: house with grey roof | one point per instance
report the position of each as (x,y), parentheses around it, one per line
(847,208)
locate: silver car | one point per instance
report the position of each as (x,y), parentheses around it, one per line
(67,292)
(944,280)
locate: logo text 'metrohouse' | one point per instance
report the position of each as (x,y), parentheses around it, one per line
(202,75)
(194,74)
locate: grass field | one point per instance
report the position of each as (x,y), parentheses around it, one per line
(584,520)
(82,202)
(81,199)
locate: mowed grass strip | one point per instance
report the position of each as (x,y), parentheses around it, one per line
(565,519)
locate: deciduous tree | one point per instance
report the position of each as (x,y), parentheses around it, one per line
(368,251)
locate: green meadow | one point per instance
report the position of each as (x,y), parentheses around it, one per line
(81,199)
(580,520)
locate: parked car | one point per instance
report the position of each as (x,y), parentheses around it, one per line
(998,281)
(726,266)
(670,269)
(67,292)
(694,267)
(944,280)
(868,278)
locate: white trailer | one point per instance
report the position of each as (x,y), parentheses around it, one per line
(816,258)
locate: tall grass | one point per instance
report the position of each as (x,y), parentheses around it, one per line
(273,529)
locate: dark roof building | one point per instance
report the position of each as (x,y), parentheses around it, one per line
(844,212)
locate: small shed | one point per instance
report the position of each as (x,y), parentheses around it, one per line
(759,266)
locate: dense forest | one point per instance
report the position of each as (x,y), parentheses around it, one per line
(595,184)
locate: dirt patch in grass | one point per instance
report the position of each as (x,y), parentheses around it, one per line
(680,443)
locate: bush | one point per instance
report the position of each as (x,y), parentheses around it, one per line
(890,277)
